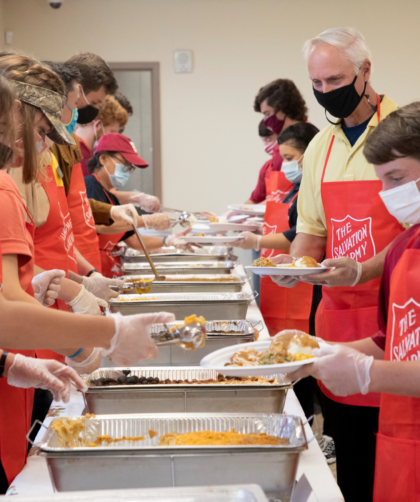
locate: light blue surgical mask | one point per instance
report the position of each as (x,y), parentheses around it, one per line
(120,177)
(292,170)
(71,126)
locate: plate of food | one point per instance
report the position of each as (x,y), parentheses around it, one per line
(302,266)
(211,228)
(251,209)
(286,352)
(202,238)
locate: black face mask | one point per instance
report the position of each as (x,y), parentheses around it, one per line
(5,154)
(87,114)
(340,102)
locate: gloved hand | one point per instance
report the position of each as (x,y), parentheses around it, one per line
(132,341)
(345,272)
(157,221)
(149,203)
(343,370)
(26,372)
(126,212)
(284,281)
(99,286)
(248,240)
(47,286)
(88,365)
(87,303)
(178,242)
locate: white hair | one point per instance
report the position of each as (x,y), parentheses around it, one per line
(349,40)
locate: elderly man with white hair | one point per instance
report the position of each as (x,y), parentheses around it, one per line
(342,217)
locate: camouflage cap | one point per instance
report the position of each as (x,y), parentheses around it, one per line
(50,103)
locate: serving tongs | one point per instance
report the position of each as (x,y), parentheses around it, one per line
(189,337)
(149,259)
(185,218)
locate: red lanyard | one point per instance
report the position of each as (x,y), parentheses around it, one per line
(105,192)
(327,158)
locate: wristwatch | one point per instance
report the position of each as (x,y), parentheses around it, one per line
(3,362)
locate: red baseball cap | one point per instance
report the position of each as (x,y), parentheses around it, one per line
(115,142)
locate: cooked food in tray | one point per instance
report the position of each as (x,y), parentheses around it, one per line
(208,438)
(304,262)
(286,347)
(126,379)
(225,278)
(189,320)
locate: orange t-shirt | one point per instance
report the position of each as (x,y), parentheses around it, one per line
(14,236)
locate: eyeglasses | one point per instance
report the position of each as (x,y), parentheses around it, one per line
(128,168)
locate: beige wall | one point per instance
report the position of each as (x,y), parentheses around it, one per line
(210,149)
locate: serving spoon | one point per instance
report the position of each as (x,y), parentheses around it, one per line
(190,337)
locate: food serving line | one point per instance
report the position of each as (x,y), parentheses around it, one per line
(172,466)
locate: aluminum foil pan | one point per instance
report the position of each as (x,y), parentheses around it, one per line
(183,297)
(241,328)
(191,278)
(205,251)
(118,426)
(184,264)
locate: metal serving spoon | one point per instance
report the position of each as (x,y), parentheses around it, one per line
(185,218)
(149,259)
(189,337)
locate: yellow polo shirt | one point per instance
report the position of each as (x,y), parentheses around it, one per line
(346,163)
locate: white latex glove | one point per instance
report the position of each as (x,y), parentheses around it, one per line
(99,286)
(248,240)
(87,303)
(178,242)
(284,281)
(27,372)
(89,365)
(157,221)
(126,212)
(47,286)
(345,272)
(148,203)
(132,341)
(344,371)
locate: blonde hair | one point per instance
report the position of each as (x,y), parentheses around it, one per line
(26,70)
(111,111)
(6,115)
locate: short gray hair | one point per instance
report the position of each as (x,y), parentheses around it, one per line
(350,40)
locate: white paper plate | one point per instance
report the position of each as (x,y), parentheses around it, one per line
(287,270)
(217,360)
(210,228)
(210,239)
(252,209)
(236,218)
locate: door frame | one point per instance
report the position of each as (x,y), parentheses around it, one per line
(154,68)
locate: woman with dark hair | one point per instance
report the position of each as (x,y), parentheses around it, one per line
(114,159)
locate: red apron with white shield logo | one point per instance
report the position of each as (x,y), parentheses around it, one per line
(277,186)
(282,308)
(111,265)
(359,227)
(54,242)
(16,403)
(86,238)
(397,474)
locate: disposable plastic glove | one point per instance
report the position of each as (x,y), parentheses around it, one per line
(89,365)
(99,286)
(132,341)
(343,370)
(27,372)
(179,242)
(284,281)
(87,303)
(248,240)
(47,286)
(126,212)
(149,203)
(157,221)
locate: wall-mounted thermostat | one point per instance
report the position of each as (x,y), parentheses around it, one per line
(183,61)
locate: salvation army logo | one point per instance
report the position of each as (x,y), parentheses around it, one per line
(278,196)
(268,230)
(87,211)
(405,338)
(352,238)
(109,246)
(67,232)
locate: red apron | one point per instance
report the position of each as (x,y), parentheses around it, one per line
(111,265)
(358,226)
(54,243)
(277,186)
(86,238)
(16,404)
(282,308)
(397,475)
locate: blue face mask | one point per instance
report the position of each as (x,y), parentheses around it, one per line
(120,177)
(292,171)
(71,126)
